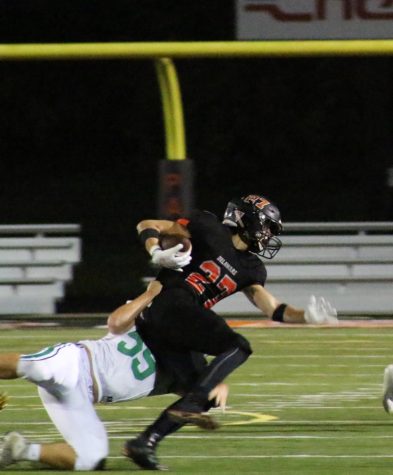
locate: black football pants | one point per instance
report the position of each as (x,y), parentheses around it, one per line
(176,325)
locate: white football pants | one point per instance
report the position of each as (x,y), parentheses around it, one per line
(65,385)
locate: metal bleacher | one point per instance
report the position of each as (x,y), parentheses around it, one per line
(36,262)
(350,264)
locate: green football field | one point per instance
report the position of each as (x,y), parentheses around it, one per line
(308,401)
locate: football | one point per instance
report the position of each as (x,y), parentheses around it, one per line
(170,240)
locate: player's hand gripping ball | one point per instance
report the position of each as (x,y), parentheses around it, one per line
(168,241)
(173,252)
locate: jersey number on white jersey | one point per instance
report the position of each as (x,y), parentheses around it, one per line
(144,358)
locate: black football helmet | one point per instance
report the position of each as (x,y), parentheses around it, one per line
(258,223)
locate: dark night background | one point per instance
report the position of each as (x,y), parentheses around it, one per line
(80,141)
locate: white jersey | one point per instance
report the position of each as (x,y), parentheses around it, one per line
(123,367)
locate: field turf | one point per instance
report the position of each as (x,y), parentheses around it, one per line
(307,402)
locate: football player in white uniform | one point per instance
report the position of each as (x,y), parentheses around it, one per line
(72,377)
(387,399)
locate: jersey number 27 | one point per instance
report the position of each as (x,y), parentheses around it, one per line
(213,274)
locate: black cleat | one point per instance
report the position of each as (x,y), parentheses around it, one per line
(142,455)
(198,419)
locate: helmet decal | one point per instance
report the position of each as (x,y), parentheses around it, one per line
(258,201)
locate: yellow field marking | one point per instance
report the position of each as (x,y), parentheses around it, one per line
(254,418)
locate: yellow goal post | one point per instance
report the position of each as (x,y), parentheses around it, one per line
(163,53)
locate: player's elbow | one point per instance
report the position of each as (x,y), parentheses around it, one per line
(146,224)
(117,327)
(113,326)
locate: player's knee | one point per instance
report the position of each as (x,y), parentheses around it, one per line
(91,461)
(235,341)
(244,345)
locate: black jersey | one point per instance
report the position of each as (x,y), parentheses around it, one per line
(217,269)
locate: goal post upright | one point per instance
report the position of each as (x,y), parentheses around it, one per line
(175,173)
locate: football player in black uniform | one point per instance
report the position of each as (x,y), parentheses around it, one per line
(225,259)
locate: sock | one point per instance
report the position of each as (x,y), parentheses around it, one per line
(164,426)
(32,452)
(20,371)
(160,428)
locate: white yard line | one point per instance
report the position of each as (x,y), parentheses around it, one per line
(329,357)
(283,456)
(205,436)
(272,383)
(337,337)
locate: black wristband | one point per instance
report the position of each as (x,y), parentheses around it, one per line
(148,233)
(278,314)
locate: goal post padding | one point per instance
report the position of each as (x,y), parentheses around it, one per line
(175,188)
